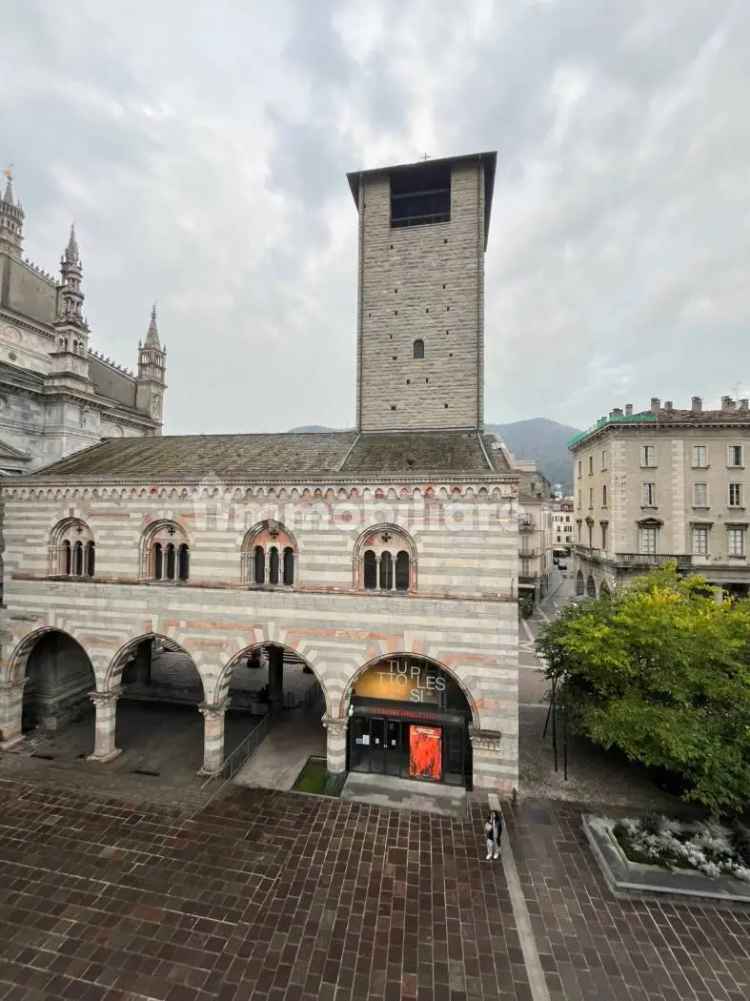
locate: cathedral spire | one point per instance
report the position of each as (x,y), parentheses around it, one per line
(152,336)
(151,381)
(71,296)
(71,251)
(8,196)
(11,219)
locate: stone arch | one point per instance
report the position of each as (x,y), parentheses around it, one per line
(55,675)
(18,660)
(347,693)
(590,586)
(113,675)
(580,584)
(220,689)
(402,542)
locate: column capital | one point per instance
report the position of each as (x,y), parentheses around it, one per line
(485,740)
(213,711)
(105,698)
(335,725)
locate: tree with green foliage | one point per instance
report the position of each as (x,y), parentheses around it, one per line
(661,670)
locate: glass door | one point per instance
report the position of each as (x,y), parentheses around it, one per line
(377,745)
(394,747)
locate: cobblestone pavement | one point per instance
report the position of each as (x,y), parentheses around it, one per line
(283,897)
(595,947)
(264,895)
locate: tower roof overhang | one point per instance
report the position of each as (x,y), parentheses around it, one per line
(488,159)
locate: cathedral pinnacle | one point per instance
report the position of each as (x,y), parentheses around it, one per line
(71,251)
(8,196)
(152,337)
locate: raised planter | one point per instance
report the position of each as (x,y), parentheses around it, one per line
(626,877)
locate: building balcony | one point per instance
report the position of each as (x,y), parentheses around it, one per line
(634,561)
(630,560)
(528,554)
(526,524)
(588,553)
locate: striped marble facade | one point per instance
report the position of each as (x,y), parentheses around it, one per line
(461,611)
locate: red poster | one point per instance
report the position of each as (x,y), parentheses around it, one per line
(426,752)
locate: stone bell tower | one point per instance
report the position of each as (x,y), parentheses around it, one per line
(422,237)
(151,383)
(11,220)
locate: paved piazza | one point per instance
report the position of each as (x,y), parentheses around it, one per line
(288,897)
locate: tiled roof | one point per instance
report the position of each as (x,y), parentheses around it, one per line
(274,457)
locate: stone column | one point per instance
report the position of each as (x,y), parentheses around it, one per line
(105,705)
(336,728)
(275,679)
(11,711)
(213,737)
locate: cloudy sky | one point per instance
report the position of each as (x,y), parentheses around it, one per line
(202,149)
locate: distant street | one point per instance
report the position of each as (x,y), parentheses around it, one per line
(531,682)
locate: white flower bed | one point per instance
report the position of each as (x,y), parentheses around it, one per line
(707,847)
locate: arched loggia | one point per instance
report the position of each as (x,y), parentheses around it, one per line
(54,678)
(159,688)
(274,682)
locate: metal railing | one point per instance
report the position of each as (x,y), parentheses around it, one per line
(234,761)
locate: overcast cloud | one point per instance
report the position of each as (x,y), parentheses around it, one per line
(202,150)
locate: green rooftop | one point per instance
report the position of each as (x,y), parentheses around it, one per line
(645,418)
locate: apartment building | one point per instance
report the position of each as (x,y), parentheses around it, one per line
(663,484)
(563,524)
(535,530)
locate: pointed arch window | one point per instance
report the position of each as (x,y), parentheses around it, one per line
(269,556)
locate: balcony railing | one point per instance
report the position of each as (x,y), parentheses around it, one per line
(589,553)
(528,554)
(653,559)
(526,525)
(629,561)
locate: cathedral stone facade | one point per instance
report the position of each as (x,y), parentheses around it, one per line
(383,559)
(57,394)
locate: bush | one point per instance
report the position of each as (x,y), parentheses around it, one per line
(741,842)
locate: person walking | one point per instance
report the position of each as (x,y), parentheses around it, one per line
(493,832)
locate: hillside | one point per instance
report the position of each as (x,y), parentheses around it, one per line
(545,441)
(537,438)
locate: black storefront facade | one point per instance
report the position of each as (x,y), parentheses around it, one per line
(409,719)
